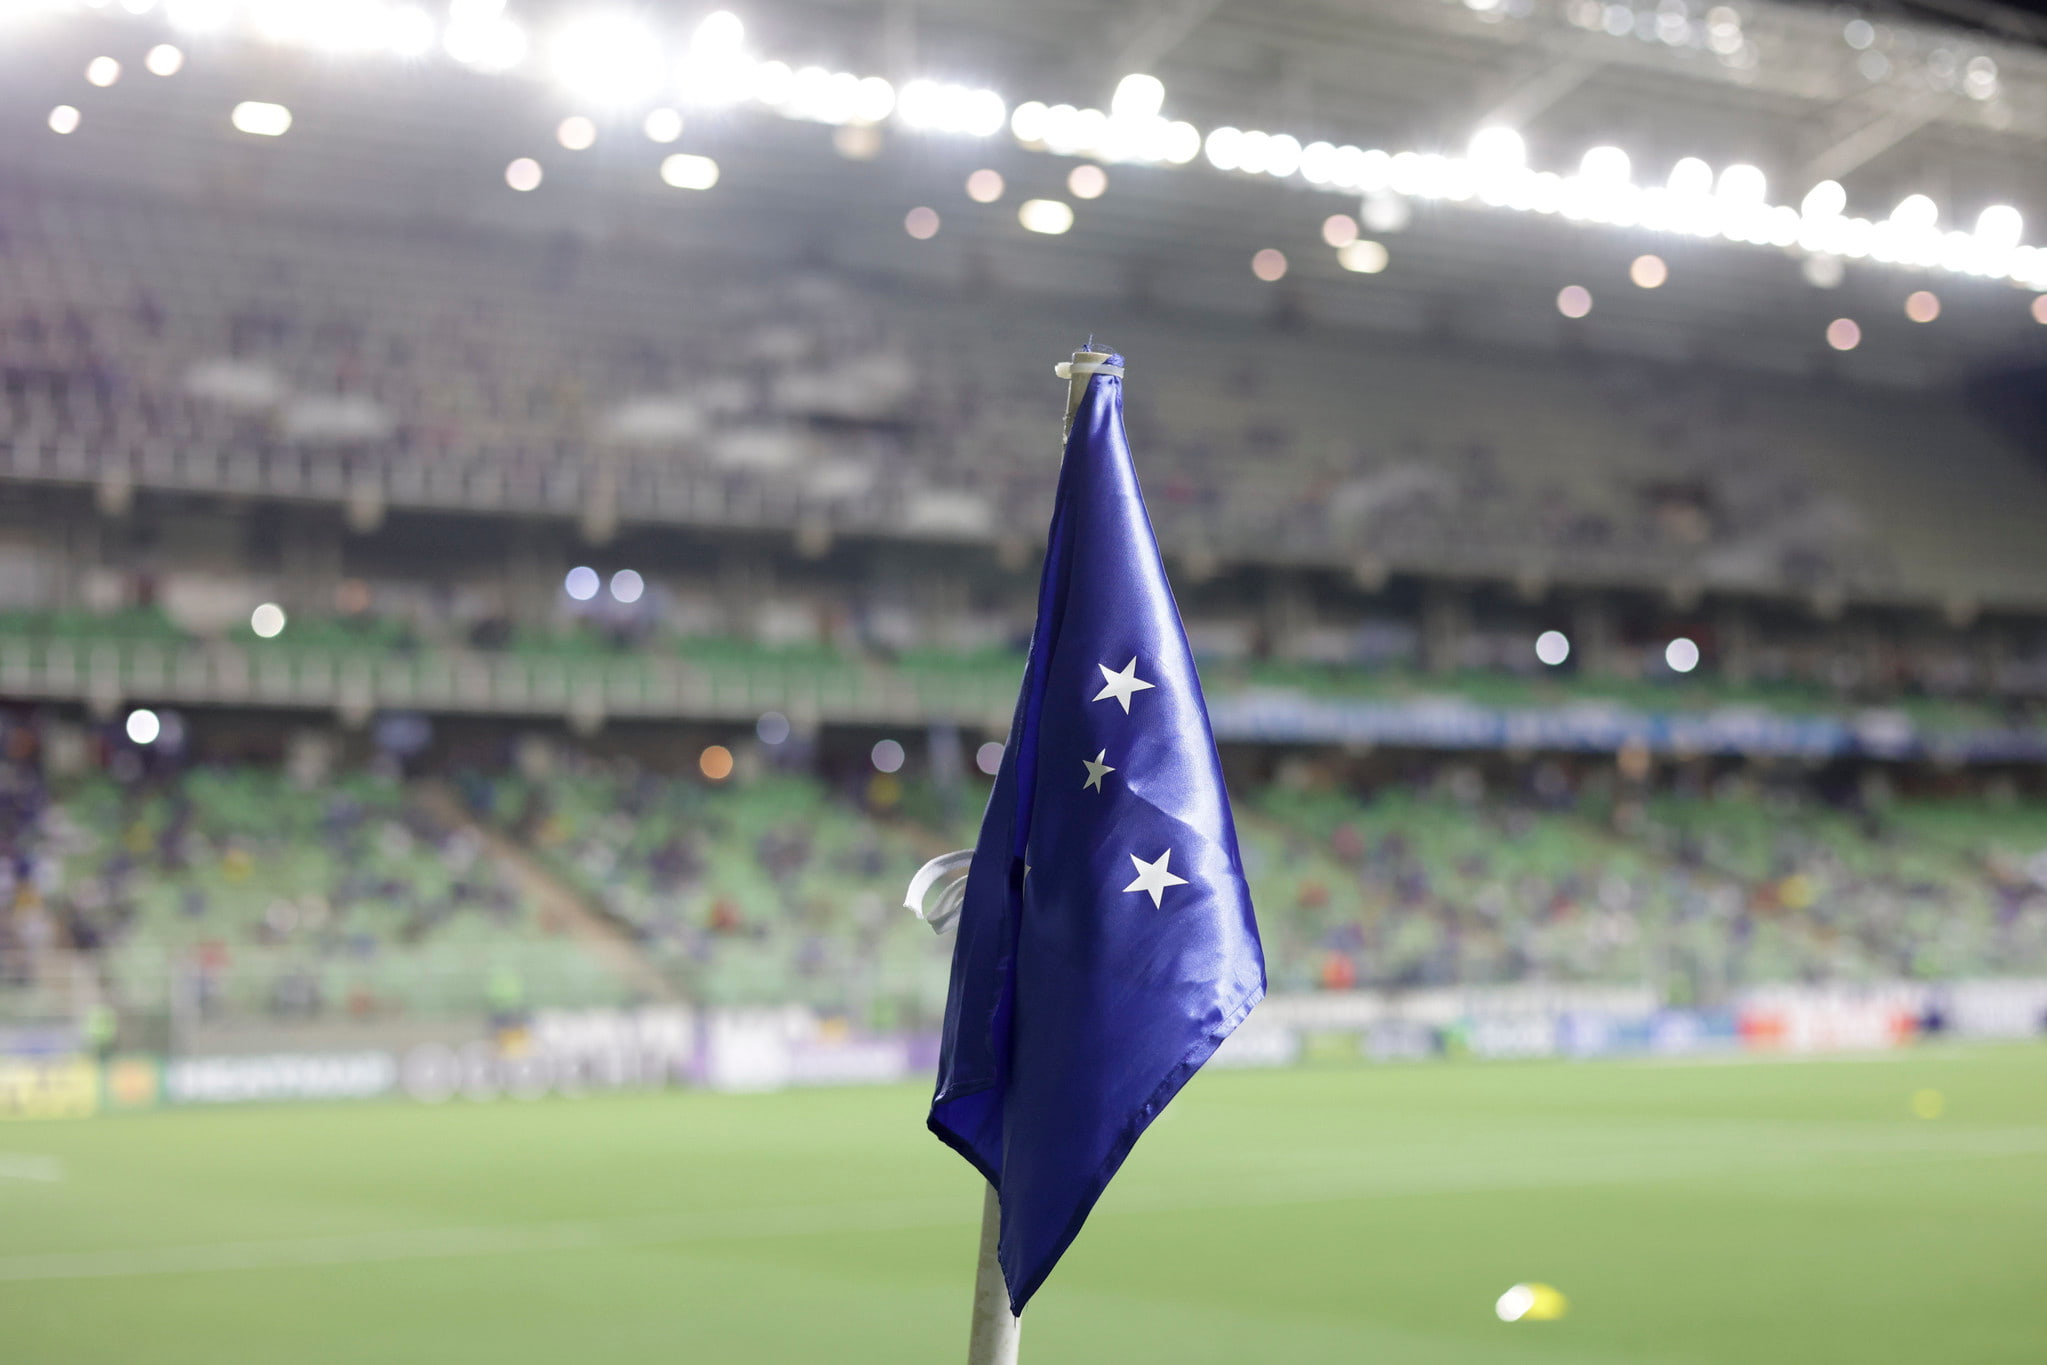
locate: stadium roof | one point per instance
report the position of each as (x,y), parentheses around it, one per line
(1889,107)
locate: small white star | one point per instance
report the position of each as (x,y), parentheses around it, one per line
(1153,877)
(1096,770)
(1121,684)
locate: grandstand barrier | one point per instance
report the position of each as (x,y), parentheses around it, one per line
(749,1051)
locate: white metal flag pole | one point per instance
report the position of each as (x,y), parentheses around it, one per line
(995,1330)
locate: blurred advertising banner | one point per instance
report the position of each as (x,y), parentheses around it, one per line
(49,1089)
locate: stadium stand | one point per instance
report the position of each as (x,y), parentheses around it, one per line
(152,341)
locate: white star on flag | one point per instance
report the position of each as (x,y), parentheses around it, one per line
(1121,684)
(1096,770)
(1153,878)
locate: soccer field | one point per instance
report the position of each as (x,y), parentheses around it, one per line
(1788,1211)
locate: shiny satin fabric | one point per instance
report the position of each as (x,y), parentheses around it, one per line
(1090,980)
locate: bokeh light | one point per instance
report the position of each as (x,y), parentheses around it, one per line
(64,119)
(163,60)
(984,186)
(683,171)
(715,762)
(143,726)
(1682,654)
(1269,265)
(1364,257)
(102,72)
(1574,300)
(1843,334)
(1049,216)
(267,621)
(1088,181)
(581,583)
(627,586)
(988,758)
(1648,272)
(772,727)
(887,756)
(1552,647)
(523,174)
(576,132)
(921,222)
(1922,305)
(1339,229)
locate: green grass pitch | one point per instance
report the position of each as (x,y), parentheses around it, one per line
(1774,1211)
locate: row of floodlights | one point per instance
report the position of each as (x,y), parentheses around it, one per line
(615,60)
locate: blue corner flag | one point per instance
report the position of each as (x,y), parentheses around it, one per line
(1106,942)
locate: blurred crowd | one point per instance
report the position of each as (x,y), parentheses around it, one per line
(218,892)
(154,341)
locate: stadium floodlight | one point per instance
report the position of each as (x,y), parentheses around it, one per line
(686,172)
(479,35)
(1225,148)
(1916,213)
(1681,654)
(662,125)
(935,106)
(1605,165)
(199,16)
(1690,176)
(163,60)
(410,31)
(1029,121)
(1049,216)
(143,726)
(64,119)
(261,119)
(1999,227)
(1498,147)
(1138,96)
(1743,184)
(717,71)
(1552,647)
(608,57)
(1824,200)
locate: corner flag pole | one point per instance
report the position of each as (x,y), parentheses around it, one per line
(995,1331)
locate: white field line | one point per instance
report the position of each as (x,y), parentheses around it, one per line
(30,1166)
